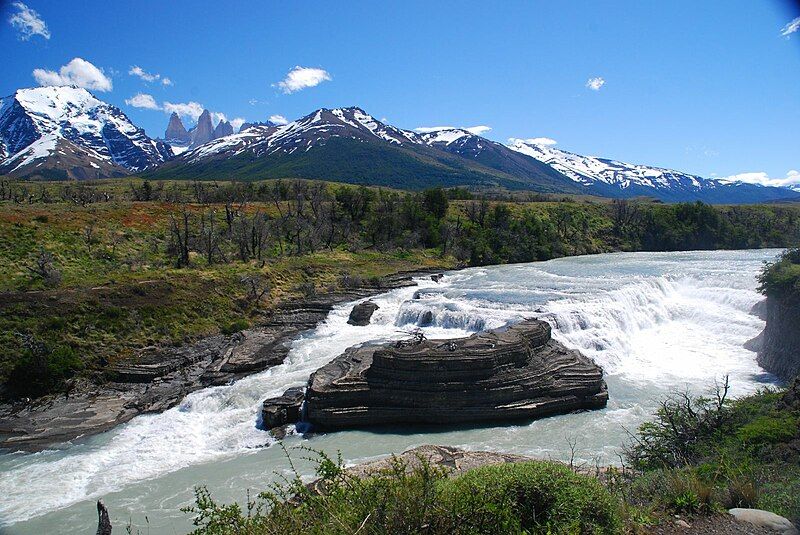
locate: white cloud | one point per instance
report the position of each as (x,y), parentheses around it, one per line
(533,141)
(77,72)
(148,77)
(217,117)
(301,78)
(595,83)
(143,100)
(790,28)
(28,22)
(278,119)
(237,123)
(791,180)
(477,130)
(192,110)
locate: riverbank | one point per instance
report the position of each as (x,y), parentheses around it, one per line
(161,377)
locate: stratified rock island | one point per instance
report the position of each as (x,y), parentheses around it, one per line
(515,372)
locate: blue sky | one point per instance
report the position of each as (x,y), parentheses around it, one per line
(706,87)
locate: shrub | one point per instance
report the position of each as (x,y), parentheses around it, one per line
(769,430)
(530,497)
(235,326)
(533,497)
(42,369)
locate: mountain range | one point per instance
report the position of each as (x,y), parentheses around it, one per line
(66,132)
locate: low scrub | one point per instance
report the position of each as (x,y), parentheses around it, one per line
(530,497)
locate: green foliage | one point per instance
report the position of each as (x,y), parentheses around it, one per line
(235,326)
(769,430)
(700,454)
(533,497)
(530,497)
(42,368)
(782,278)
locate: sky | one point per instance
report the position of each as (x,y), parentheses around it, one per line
(711,88)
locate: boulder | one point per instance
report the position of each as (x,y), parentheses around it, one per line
(765,519)
(283,410)
(515,372)
(362,313)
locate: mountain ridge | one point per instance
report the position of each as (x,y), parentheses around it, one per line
(64,132)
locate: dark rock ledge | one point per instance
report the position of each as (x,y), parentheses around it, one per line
(517,372)
(159,377)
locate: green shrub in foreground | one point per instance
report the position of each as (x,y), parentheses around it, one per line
(532,497)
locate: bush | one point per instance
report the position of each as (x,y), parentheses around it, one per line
(42,369)
(769,430)
(532,497)
(782,278)
(235,326)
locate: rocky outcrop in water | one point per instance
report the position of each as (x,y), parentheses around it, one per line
(362,313)
(283,410)
(517,372)
(779,345)
(103,521)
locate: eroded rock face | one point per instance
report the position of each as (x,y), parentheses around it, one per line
(779,347)
(362,313)
(517,372)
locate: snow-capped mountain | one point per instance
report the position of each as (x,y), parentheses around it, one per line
(611,178)
(497,156)
(348,144)
(312,130)
(66,132)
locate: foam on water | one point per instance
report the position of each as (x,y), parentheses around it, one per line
(655,322)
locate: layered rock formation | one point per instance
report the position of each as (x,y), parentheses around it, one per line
(176,132)
(517,372)
(283,410)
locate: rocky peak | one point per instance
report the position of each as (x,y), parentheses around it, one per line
(224,128)
(204,131)
(176,131)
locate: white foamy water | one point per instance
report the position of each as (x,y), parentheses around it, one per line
(656,322)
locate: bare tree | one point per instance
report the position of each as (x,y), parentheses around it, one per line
(45,269)
(256,288)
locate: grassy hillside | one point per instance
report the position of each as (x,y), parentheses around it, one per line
(356,162)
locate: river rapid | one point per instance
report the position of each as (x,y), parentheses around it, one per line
(657,322)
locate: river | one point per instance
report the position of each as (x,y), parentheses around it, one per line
(657,322)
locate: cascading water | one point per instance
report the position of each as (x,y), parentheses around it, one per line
(657,323)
